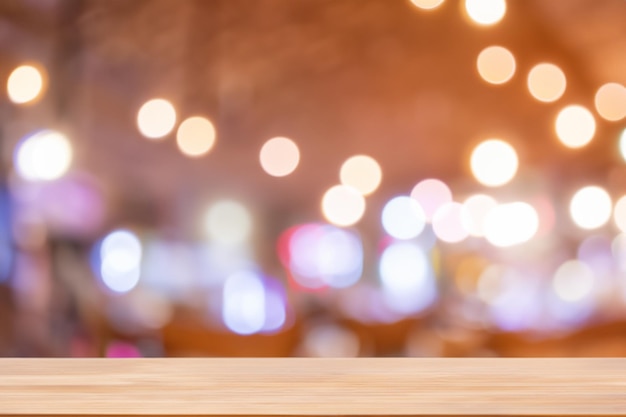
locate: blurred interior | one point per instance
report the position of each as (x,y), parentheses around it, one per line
(179,178)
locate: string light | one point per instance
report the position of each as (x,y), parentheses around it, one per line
(591,207)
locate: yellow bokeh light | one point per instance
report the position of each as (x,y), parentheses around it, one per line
(485,12)
(195,136)
(546,82)
(494,162)
(573,281)
(496,64)
(279,156)
(427,4)
(610,101)
(361,172)
(575,126)
(25,84)
(156,118)
(619,214)
(590,208)
(622,144)
(343,205)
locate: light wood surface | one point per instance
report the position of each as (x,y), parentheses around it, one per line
(290,386)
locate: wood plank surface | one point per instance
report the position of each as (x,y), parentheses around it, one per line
(295,386)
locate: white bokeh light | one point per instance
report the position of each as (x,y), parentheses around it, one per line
(431,194)
(475,209)
(279,156)
(511,224)
(406,278)
(494,162)
(575,126)
(25,84)
(590,207)
(343,205)
(156,118)
(44,156)
(546,82)
(243,303)
(361,172)
(120,260)
(485,12)
(448,223)
(403,218)
(573,281)
(228,222)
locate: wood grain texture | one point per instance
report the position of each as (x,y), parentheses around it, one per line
(290,386)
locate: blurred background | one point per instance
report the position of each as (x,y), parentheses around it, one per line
(313,178)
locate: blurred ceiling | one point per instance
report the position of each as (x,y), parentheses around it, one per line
(340,77)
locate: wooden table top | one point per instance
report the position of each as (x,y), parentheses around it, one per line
(297,386)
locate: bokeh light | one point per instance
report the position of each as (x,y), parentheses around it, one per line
(25,84)
(427,4)
(496,64)
(361,172)
(575,126)
(156,118)
(546,82)
(195,136)
(511,224)
(431,194)
(610,101)
(485,12)
(228,223)
(343,205)
(406,278)
(403,218)
(44,156)
(279,156)
(243,303)
(573,281)
(475,209)
(330,341)
(494,162)
(619,214)
(120,260)
(622,144)
(322,255)
(448,223)
(590,207)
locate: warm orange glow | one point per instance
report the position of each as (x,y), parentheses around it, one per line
(496,65)
(546,82)
(610,101)
(575,126)
(195,136)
